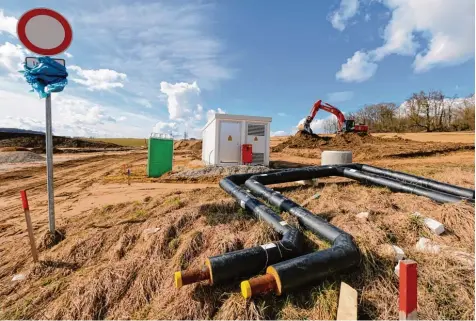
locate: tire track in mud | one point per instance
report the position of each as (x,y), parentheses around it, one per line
(71,178)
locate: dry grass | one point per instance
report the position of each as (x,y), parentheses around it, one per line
(128,142)
(106,267)
(454,137)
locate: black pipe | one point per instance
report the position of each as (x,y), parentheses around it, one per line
(287,275)
(239,264)
(307,269)
(314,223)
(397,186)
(421,181)
(343,254)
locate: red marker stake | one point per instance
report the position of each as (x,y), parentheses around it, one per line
(408,290)
(29,227)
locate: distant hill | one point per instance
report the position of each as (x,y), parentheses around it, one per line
(20,131)
(14,137)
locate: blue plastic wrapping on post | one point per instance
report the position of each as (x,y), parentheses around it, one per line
(47,77)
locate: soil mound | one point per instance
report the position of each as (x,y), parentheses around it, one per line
(191,144)
(301,140)
(345,140)
(38,141)
(19,157)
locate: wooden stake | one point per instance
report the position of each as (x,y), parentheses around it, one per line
(29,227)
(347,309)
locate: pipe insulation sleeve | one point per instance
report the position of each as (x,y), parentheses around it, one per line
(310,268)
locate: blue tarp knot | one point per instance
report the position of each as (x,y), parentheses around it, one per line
(47,77)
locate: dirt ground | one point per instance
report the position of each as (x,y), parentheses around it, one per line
(108,266)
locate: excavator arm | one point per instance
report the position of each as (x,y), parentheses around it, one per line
(333,110)
(342,124)
(327,107)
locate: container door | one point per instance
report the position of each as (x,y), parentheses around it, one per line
(256,135)
(230,142)
(160,156)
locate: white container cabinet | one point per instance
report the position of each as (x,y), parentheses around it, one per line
(224,135)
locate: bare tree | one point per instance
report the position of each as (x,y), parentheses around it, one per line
(330,125)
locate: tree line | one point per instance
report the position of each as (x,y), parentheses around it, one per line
(428,111)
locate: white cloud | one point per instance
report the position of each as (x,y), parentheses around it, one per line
(185,110)
(367,17)
(81,111)
(212,112)
(144,102)
(8,24)
(279,133)
(340,96)
(100,79)
(357,69)
(182,98)
(434,32)
(72,116)
(282,114)
(165,128)
(12,58)
(317,125)
(68,55)
(347,9)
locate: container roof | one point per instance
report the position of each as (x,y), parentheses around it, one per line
(238,117)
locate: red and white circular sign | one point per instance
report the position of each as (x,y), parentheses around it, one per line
(44,31)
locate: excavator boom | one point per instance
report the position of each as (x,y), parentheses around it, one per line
(342,124)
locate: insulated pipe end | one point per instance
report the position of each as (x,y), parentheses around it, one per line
(246,289)
(178,279)
(182,278)
(258,285)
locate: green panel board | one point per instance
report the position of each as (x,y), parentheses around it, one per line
(161,152)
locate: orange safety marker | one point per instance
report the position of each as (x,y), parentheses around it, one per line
(408,290)
(29,227)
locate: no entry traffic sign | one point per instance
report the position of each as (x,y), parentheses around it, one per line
(44,31)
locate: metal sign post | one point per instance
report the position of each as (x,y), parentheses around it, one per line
(49,165)
(45,32)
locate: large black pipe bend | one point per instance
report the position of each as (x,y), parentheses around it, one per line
(293,273)
(235,265)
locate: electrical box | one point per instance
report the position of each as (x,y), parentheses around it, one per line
(224,135)
(246,153)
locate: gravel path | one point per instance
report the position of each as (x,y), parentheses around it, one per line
(213,171)
(19,157)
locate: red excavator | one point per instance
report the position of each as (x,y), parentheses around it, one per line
(344,125)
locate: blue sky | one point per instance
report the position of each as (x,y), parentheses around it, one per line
(168,65)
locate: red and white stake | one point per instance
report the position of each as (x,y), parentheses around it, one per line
(408,290)
(29,227)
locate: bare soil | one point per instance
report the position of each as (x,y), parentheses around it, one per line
(364,147)
(110,266)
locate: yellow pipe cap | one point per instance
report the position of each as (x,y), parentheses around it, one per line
(178,279)
(246,289)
